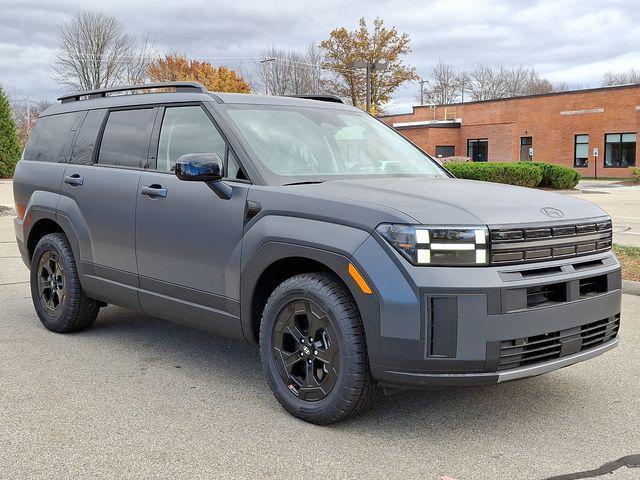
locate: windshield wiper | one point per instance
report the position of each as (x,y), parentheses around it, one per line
(307,182)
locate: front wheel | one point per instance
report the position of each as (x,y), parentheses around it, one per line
(313,349)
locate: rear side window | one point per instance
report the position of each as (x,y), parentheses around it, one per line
(86,139)
(187,130)
(126,137)
(51,138)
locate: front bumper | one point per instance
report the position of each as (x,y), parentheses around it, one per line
(412,379)
(476,326)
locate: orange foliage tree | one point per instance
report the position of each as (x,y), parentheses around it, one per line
(175,67)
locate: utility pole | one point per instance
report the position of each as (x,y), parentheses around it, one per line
(422,82)
(369,68)
(265,67)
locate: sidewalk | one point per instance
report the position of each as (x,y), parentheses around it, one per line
(622,202)
(6,193)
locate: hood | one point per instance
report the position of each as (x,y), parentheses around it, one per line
(448,201)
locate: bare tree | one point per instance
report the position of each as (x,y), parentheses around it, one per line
(517,80)
(137,66)
(288,72)
(96,52)
(443,84)
(630,76)
(463,83)
(486,83)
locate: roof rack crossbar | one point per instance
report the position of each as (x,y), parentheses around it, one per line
(321,98)
(91,94)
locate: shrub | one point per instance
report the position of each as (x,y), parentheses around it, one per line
(635,174)
(557,176)
(522,174)
(9,143)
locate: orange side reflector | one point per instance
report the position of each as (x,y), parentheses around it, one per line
(20,209)
(355,274)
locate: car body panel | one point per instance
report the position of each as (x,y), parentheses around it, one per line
(195,258)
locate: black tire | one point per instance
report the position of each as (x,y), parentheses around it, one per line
(352,388)
(54,276)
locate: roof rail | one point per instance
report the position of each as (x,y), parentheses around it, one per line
(90,94)
(321,98)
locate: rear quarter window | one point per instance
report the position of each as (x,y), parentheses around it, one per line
(52,136)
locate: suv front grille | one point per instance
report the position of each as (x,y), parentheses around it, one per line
(536,244)
(548,346)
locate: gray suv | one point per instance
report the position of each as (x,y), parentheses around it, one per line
(355,260)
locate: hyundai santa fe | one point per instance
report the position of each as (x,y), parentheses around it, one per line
(355,261)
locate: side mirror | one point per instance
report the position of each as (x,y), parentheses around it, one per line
(199,167)
(204,167)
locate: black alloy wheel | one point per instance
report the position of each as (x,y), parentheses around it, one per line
(306,350)
(51,283)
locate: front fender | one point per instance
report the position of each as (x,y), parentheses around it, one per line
(274,238)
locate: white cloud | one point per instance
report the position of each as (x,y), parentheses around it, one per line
(566,40)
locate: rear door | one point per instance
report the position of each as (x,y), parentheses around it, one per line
(101,184)
(188,239)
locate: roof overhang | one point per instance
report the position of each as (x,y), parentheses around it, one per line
(429,124)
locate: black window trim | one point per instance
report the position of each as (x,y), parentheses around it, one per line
(604,156)
(575,145)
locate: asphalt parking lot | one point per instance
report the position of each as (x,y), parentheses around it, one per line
(136,397)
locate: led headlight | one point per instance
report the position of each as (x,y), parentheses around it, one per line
(427,245)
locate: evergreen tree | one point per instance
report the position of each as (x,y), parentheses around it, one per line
(9,143)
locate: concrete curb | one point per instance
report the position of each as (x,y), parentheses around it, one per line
(630,287)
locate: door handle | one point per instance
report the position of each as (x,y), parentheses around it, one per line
(154,190)
(74,180)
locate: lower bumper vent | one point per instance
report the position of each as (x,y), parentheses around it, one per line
(549,346)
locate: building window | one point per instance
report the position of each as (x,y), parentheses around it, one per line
(581,151)
(620,150)
(526,148)
(444,151)
(478,149)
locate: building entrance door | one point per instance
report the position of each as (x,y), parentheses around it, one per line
(526,148)
(478,149)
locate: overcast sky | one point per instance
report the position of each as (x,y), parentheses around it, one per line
(575,41)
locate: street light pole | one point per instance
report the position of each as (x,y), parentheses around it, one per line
(265,67)
(422,82)
(369,68)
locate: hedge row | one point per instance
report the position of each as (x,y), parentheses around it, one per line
(524,174)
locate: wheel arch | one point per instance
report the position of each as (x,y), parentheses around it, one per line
(276,261)
(43,223)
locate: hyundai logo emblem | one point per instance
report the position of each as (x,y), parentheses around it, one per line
(552,212)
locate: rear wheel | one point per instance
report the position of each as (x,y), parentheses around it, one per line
(313,349)
(57,295)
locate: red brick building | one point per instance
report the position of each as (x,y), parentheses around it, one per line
(594,131)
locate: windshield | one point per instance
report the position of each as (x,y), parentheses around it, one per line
(322,143)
